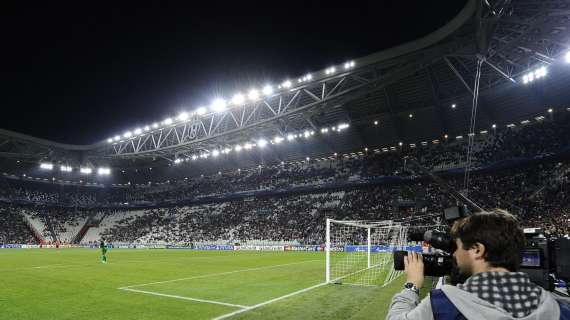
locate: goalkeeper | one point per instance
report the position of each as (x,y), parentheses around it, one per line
(103,247)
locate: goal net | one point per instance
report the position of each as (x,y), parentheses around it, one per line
(360,252)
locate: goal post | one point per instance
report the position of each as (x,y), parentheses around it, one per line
(360,252)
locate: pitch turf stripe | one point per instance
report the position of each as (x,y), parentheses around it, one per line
(187,298)
(231,314)
(219,274)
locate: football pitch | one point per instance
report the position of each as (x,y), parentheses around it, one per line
(179,284)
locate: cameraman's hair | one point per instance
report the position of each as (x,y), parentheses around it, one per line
(499,231)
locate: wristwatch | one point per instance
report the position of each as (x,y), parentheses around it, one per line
(412,287)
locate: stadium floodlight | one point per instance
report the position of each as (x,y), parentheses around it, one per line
(400,144)
(550,110)
(219,105)
(324,130)
(146,128)
(494,126)
(238,99)
(46,166)
(110,140)
(85,170)
(267,90)
(238,148)
(410,115)
(155,125)
(308,158)
(117,138)
(227,150)
(278,139)
(287,84)
(177,161)
(348,65)
(453,106)
(194,157)
(127,134)
(330,70)
(167,121)
(104,171)
(290,137)
(183,116)
(567,57)
(215,153)
(307,133)
(201,111)
(375,122)
(253,94)
(65,169)
(261,143)
(247,146)
(138,131)
(308,77)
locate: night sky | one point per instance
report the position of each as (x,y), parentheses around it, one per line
(78,73)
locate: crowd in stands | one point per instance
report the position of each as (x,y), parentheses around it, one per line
(537,191)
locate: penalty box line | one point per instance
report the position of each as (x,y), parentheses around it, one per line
(231,314)
(186,298)
(209,275)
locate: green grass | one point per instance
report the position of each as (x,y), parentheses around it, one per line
(74,284)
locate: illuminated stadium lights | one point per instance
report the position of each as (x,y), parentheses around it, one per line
(167,121)
(238,99)
(525,122)
(287,84)
(46,166)
(267,90)
(253,94)
(278,140)
(227,150)
(484,132)
(550,110)
(342,126)
(290,137)
(85,170)
(110,140)
(306,134)
(410,116)
(536,74)
(138,131)
(348,65)
(104,171)
(127,134)
(445,136)
(459,137)
(155,125)
(215,153)
(400,144)
(219,105)
(261,143)
(247,146)
(453,106)
(117,138)
(330,70)
(183,116)
(510,125)
(376,122)
(65,169)
(238,148)
(324,130)
(539,118)
(177,161)
(308,158)
(201,111)
(494,126)
(194,157)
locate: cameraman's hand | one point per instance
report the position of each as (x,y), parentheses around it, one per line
(414,268)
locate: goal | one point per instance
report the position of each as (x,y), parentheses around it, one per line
(360,252)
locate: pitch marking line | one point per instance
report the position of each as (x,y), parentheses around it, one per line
(51,265)
(218,274)
(231,314)
(187,298)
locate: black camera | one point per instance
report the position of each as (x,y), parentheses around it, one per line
(436,264)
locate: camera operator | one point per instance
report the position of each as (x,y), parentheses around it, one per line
(488,253)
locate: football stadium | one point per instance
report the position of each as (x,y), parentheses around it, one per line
(294,197)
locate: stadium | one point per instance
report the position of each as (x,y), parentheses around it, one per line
(286,199)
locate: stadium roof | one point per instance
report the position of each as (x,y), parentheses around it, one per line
(417,91)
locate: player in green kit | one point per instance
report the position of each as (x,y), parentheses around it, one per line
(103,247)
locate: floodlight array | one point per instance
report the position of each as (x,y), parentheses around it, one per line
(46,166)
(220,104)
(260,143)
(534,75)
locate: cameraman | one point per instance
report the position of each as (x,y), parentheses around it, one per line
(488,253)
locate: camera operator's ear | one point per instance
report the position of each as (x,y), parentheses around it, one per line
(479,250)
